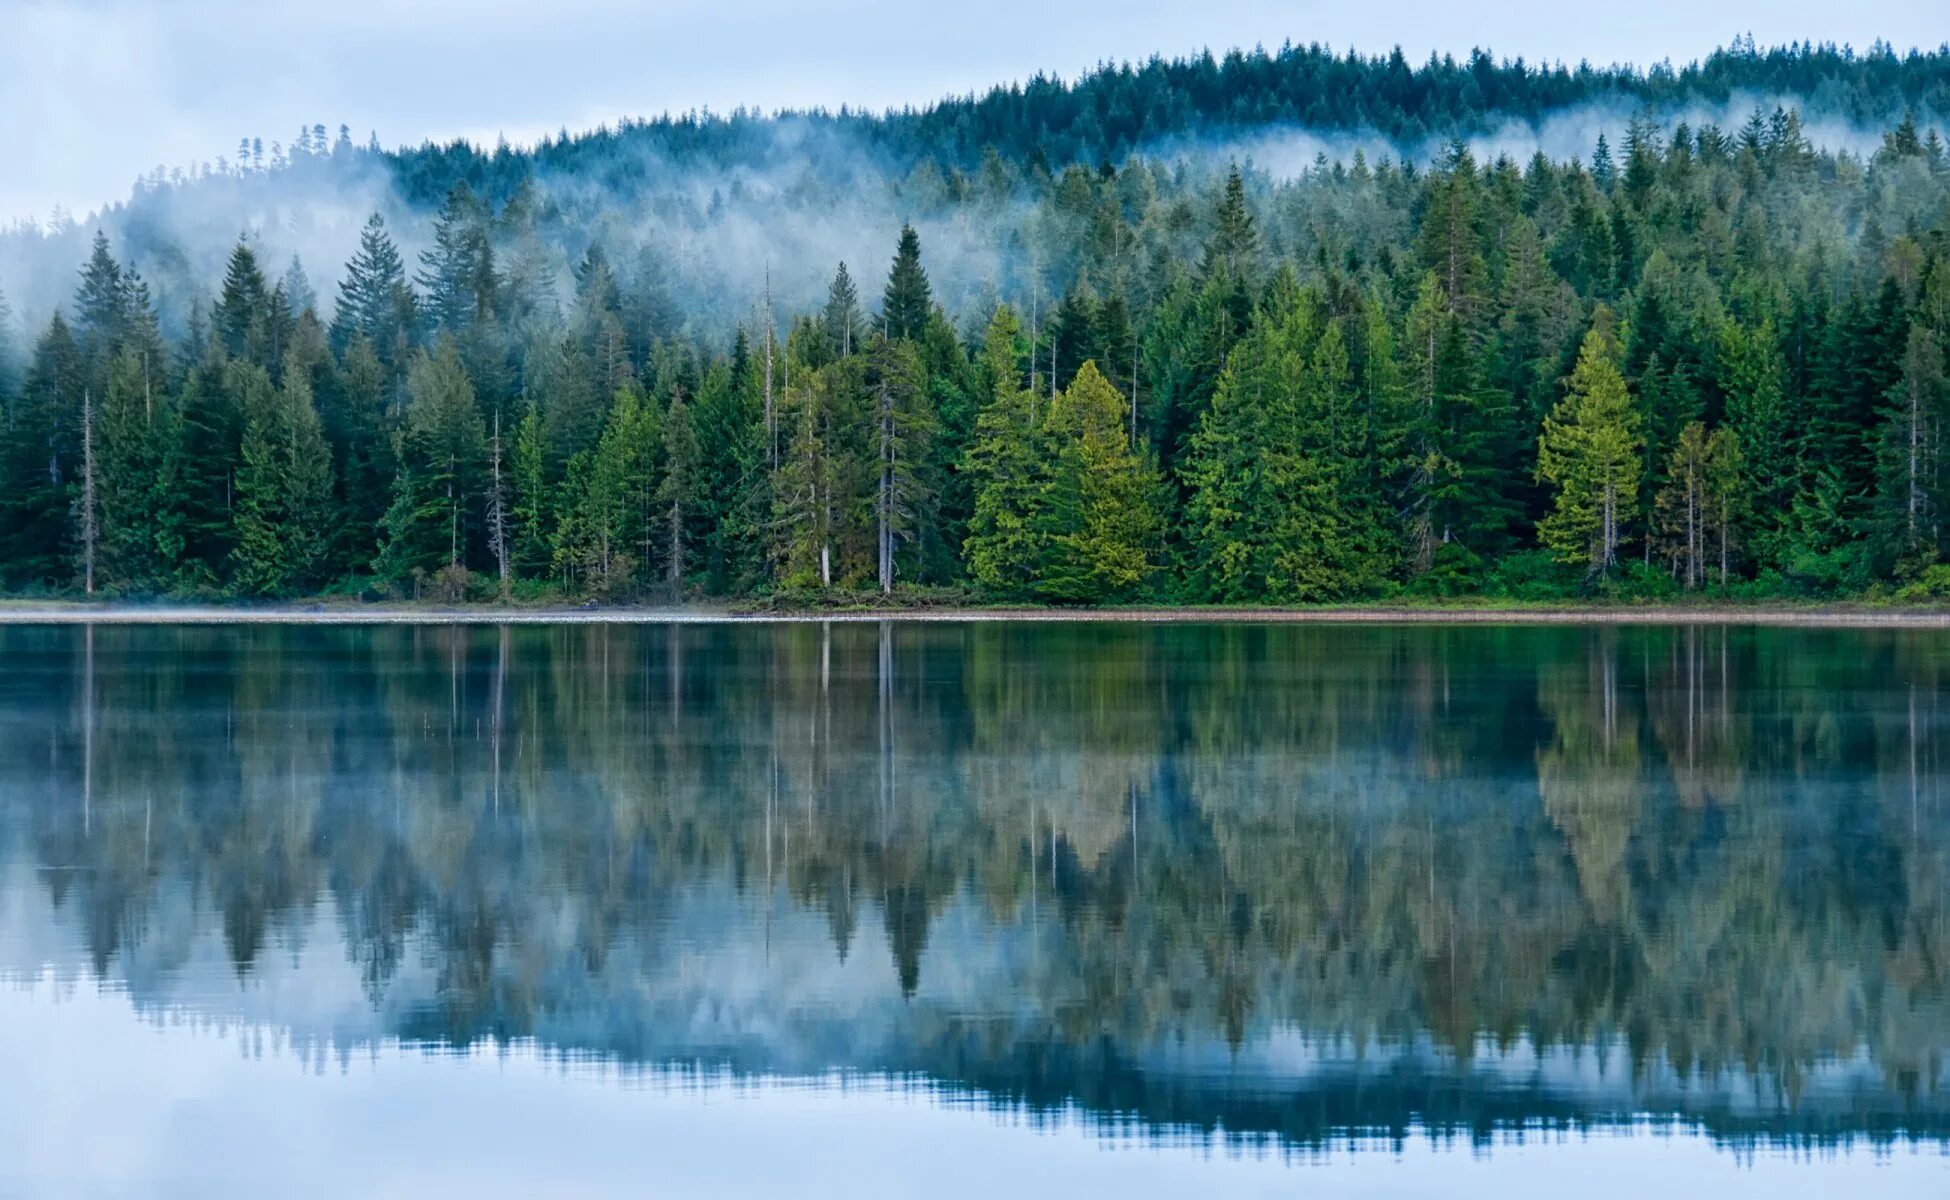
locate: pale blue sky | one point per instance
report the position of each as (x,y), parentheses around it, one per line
(93,92)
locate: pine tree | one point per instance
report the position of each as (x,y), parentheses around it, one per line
(1753,377)
(677,496)
(284,485)
(1590,451)
(1913,476)
(907,305)
(1233,247)
(533,514)
(375,299)
(904,423)
(844,325)
(1460,454)
(259,562)
(361,428)
(101,304)
(442,454)
(40,449)
(1694,510)
(1070,336)
(458,276)
(140,538)
(1102,515)
(611,499)
(246,323)
(1452,236)
(1006,545)
(1279,508)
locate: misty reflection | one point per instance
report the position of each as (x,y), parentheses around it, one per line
(1300,884)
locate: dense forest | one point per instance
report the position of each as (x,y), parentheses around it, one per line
(1693,358)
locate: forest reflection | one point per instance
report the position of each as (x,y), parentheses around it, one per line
(1296,883)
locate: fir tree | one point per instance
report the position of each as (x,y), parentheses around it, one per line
(375,299)
(907,305)
(844,325)
(1102,513)
(1590,452)
(1006,544)
(442,455)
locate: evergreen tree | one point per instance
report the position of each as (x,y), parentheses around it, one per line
(677,495)
(1913,476)
(375,299)
(1590,452)
(845,327)
(283,485)
(907,305)
(458,276)
(1007,544)
(1694,510)
(1232,250)
(137,489)
(40,451)
(1278,509)
(904,422)
(442,455)
(101,304)
(1102,515)
(610,499)
(247,324)
(1753,378)
(532,511)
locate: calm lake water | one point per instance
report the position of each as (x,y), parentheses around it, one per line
(973,909)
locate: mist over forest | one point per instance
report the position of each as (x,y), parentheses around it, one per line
(1283,326)
(722,199)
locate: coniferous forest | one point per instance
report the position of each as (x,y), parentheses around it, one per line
(1104,353)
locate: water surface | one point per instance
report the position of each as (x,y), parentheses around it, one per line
(874,909)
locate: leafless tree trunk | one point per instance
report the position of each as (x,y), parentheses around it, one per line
(498,509)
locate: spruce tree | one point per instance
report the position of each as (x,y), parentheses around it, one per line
(375,299)
(908,304)
(246,324)
(1590,452)
(1006,544)
(1103,511)
(844,325)
(443,453)
(677,496)
(904,423)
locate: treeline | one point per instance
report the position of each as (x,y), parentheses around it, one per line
(1122,109)
(1712,359)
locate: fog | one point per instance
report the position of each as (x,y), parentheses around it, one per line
(770,213)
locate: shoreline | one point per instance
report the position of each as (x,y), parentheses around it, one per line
(1834,616)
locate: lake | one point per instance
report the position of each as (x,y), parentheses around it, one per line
(865,909)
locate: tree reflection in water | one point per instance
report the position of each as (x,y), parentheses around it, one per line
(1294,882)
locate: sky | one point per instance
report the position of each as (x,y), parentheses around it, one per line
(96,92)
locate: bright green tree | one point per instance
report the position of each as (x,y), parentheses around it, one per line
(1005,547)
(1590,452)
(1103,511)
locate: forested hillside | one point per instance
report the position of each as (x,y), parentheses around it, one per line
(1075,368)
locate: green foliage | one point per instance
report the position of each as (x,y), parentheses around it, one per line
(1006,546)
(1360,381)
(1101,516)
(1278,508)
(1590,452)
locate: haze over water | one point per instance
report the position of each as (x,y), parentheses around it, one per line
(874,909)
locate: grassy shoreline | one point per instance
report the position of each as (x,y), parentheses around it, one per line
(1831,615)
